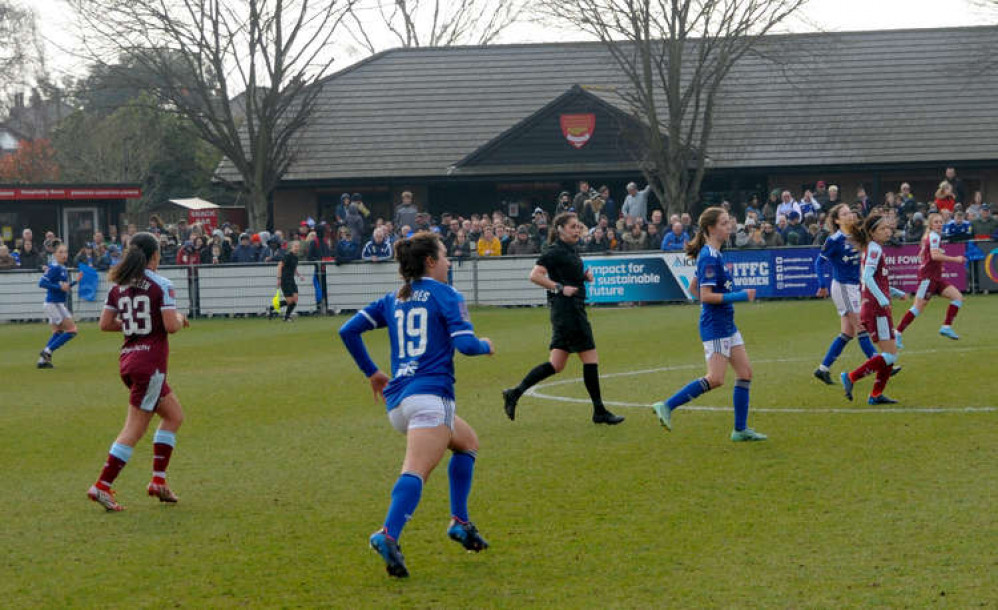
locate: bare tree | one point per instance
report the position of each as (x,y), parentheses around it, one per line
(21,51)
(245,73)
(377,24)
(674,56)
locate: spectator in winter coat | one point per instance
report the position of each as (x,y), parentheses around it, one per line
(675,239)
(187,255)
(770,235)
(29,257)
(522,244)
(489,244)
(635,239)
(243,253)
(378,249)
(609,204)
(346,247)
(795,234)
(461,248)
(985,226)
(598,242)
(787,205)
(355,221)
(6,260)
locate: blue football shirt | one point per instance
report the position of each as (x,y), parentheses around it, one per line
(716,321)
(422,330)
(55,274)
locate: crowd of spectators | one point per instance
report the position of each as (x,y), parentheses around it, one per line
(353,233)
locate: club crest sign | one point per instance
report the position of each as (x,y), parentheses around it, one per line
(578,128)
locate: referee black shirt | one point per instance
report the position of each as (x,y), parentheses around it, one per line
(564,266)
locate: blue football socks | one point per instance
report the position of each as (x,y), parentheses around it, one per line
(692,390)
(460,471)
(61,340)
(405,499)
(52,340)
(866,344)
(740,396)
(835,350)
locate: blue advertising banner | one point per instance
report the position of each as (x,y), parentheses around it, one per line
(632,278)
(786,272)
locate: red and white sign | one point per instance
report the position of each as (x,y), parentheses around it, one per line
(207,218)
(578,128)
(19,194)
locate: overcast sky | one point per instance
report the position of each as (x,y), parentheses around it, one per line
(832,15)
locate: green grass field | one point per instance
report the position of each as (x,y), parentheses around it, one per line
(285,463)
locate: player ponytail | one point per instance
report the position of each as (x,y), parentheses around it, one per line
(411,255)
(862,233)
(707,220)
(559,221)
(133,265)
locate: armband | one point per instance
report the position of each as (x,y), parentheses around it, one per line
(733,297)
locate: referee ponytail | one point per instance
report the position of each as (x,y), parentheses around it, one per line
(707,220)
(411,255)
(133,265)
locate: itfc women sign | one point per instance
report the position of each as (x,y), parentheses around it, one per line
(578,128)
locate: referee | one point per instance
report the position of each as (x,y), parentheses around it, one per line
(559,270)
(287,269)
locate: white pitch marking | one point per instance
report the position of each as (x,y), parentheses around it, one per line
(534,392)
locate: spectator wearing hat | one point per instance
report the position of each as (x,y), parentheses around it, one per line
(85,256)
(754,231)
(636,203)
(187,255)
(795,234)
(378,249)
(906,202)
(564,203)
(985,226)
(244,252)
(340,212)
(821,193)
(521,243)
(274,251)
(405,213)
(539,226)
(915,229)
(676,238)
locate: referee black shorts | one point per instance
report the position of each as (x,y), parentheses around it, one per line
(570,329)
(289,287)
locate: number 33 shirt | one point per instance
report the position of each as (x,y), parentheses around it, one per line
(140,308)
(424,330)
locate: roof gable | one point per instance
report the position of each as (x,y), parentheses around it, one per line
(575,130)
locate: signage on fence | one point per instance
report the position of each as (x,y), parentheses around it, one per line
(988,278)
(631,278)
(787,272)
(903,262)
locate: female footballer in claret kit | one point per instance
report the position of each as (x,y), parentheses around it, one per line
(875,312)
(142,306)
(931,282)
(559,270)
(722,343)
(426,321)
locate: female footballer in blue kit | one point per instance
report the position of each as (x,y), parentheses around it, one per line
(426,321)
(722,343)
(839,252)
(57,285)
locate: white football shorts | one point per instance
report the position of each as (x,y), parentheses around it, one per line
(57,312)
(722,346)
(422,411)
(846,298)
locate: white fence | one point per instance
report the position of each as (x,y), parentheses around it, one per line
(248,289)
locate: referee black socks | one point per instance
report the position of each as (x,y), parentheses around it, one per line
(536,375)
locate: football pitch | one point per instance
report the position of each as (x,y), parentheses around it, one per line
(285,462)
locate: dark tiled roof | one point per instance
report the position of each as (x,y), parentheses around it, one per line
(837,98)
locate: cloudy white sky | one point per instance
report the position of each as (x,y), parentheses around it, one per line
(55,21)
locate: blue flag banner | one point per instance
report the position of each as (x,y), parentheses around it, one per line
(317,285)
(87,287)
